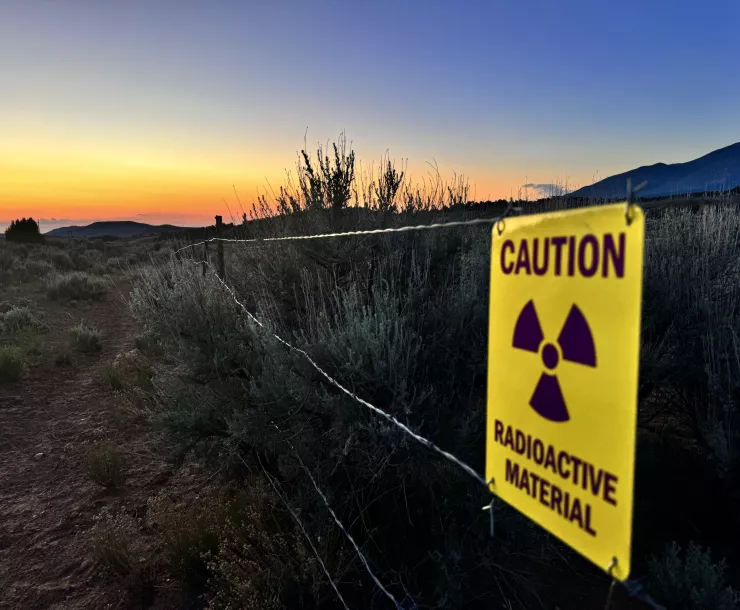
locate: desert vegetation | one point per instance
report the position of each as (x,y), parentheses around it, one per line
(401,319)
(38,274)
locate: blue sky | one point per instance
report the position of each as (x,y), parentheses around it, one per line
(114,109)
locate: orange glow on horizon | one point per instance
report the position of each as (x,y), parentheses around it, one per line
(78,180)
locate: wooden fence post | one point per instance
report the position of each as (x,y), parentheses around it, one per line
(205,257)
(220,248)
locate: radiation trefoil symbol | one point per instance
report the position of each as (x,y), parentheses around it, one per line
(576,345)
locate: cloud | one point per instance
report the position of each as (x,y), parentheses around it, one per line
(57,220)
(547,189)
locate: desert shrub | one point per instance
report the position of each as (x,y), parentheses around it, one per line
(113,378)
(33,268)
(114,264)
(62,261)
(107,267)
(367,327)
(6,306)
(112,540)
(147,344)
(189,529)
(11,364)
(8,261)
(19,319)
(114,249)
(87,339)
(691,325)
(127,370)
(83,261)
(76,286)
(104,465)
(263,560)
(21,251)
(691,581)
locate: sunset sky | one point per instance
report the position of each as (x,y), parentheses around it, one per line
(152,109)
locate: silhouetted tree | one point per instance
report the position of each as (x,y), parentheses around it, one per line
(24,230)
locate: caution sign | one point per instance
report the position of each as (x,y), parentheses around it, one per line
(564,337)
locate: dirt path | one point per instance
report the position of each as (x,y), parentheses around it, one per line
(47,503)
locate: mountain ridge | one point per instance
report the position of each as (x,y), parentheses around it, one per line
(113,228)
(718,170)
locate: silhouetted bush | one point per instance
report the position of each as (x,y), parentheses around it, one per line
(24,230)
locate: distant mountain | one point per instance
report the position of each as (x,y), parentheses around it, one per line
(717,171)
(124,228)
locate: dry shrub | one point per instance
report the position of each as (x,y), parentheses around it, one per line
(263,561)
(116,547)
(189,528)
(19,319)
(12,364)
(76,286)
(129,370)
(104,463)
(113,540)
(87,339)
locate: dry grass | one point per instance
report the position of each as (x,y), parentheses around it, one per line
(87,339)
(105,465)
(76,286)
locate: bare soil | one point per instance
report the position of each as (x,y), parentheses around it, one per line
(47,501)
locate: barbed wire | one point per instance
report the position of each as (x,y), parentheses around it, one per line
(424,441)
(303,529)
(334,516)
(650,205)
(360,554)
(404,229)
(633,587)
(341,526)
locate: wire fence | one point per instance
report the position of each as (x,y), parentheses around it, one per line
(632,587)
(404,229)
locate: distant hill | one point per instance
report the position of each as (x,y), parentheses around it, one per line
(717,171)
(123,228)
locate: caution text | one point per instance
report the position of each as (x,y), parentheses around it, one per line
(585,255)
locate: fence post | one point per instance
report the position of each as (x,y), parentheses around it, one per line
(205,257)
(220,248)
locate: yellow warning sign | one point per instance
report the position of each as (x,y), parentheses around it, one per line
(564,338)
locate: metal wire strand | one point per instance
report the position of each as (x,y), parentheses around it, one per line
(303,529)
(633,587)
(424,441)
(436,225)
(336,519)
(360,554)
